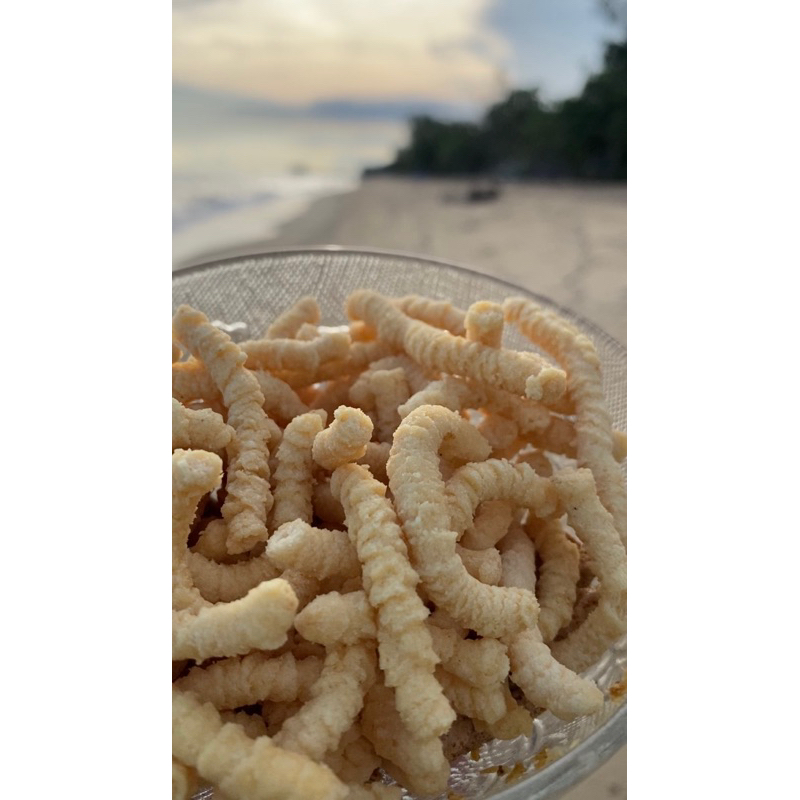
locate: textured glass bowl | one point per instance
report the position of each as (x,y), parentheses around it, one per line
(246,293)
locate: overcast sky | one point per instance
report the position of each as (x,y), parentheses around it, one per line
(453,51)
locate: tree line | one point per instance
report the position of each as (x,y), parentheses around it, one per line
(583,137)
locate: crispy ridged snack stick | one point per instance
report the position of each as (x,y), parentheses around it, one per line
(595,528)
(260,620)
(315,551)
(490,525)
(194,474)
(485,702)
(280,400)
(481,564)
(438,313)
(199,430)
(479,662)
(344,440)
(438,350)
(294,355)
(501,433)
(191,381)
(354,760)
(537,460)
(419,761)
(293,477)
(557,585)
(337,697)
(223,583)
(448,391)
(253,725)
(517,721)
(416,377)
(420,498)
(306,587)
(497,479)
(544,681)
(248,497)
(211,543)
(361,332)
(184,779)
(375,458)
(332,394)
(384,391)
(406,651)
(336,618)
(594,437)
(275,714)
(235,682)
(243,768)
(287,324)
(484,323)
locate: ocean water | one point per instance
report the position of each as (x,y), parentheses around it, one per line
(237,176)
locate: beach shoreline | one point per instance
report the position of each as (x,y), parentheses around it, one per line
(566,241)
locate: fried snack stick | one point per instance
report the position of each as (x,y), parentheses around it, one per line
(280,400)
(416,377)
(248,497)
(354,760)
(501,433)
(557,584)
(375,458)
(438,313)
(191,381)
(595,528)
(490,525)
(476,702)
(479,662)
(438,350)
(259,621)
(344,440)
(406,652)
(384,391)
(337,697)
(254,726)
(194,474)
(287,324)
(594,438)
(243,768)
(421,500)
(315,551)
(325,505)
(293,477)
(497,479)
(517,721)
(184,780)
(199,430)
(235,682)
(484,323)
(335,618)
(481,564)
(330,395)
(418,763)
(544,681)
(296,356)
(211,543)
(537,460)
(223,583)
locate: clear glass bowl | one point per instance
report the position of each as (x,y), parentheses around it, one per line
(248,292)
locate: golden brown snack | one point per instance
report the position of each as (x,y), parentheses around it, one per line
(439,313)
(248,497)
(294,476)
(211,542)
(354,760)
(479,662)
(199,430)
(416,762)
(337,697)
(296,356)
(481,564)
(259,621)
(435,349)
(557,584)
(477,702)
(404,643)
(384,391)
(484,323)
(336,618)
(243,768)
(501,433)
(280,400)
(416,377)
(315,551)
(594,437)
(287,324)
(490,525)
(595,528)
(344,440)
(254,678)
(517,721)
(421,502)
(191,382)
(223,583)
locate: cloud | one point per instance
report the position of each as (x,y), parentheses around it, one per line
(299,51)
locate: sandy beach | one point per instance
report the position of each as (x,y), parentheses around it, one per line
(567,242)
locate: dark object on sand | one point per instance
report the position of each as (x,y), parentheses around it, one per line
(483,193)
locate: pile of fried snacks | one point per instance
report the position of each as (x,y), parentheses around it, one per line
(391,542)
